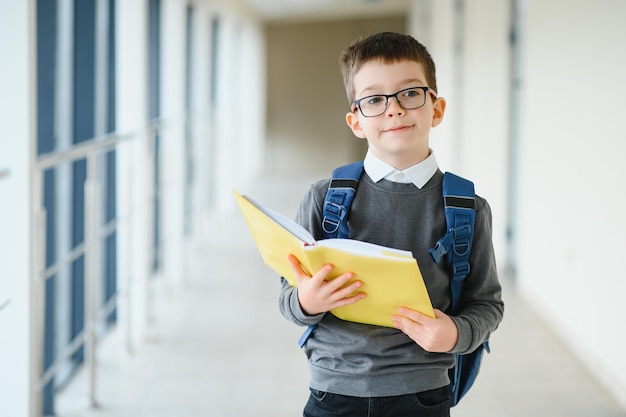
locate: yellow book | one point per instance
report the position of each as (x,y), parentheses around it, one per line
(391,277)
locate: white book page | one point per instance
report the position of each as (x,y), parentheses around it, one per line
(365,248)
(290,225)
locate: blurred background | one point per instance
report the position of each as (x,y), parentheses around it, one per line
(127,124)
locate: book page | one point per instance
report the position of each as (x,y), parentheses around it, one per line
(365,248)
(290,225)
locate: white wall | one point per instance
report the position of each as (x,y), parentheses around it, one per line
(472,141)
(571,158)
(220,136)
(173,164)
(572,190)
(240,107)
(485,108)
(253,96)
(438,37)
(228,139)
(16,146)
(132,169)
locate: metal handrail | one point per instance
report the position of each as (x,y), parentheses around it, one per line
(75,344)
(55,268)
(94,234)
(81,150)
(108,307)
(67,352)
(79,250)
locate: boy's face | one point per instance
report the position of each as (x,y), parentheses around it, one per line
(398,136)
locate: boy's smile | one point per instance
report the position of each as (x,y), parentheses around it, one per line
(397,129)
(397,136)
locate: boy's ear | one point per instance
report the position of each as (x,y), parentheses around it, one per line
(439,108)
(352,119)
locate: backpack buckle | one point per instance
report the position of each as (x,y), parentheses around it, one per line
(460,270)
(332,221)
(438,251)
(330,226)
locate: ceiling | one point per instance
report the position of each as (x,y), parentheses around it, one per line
(324,9)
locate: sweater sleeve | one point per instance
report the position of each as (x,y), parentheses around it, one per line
(290,306)
(482,307)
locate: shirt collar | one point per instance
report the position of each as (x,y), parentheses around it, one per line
(418,174)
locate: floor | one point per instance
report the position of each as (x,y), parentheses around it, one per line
(218,347)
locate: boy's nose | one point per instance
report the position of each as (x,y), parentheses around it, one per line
(394,106)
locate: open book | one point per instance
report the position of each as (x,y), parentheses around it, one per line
(391,277)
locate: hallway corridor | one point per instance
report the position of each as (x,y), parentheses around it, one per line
(218,347)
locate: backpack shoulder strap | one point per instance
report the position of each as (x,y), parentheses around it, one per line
(339,198)
(336,207)
(460,210)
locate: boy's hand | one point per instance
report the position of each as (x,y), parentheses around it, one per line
(319,296)
(433,335)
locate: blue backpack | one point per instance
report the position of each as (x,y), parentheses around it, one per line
(460,212)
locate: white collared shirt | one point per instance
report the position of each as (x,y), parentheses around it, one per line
(418,174)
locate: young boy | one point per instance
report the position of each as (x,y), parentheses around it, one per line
(364,370)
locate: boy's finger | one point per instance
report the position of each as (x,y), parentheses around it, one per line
(413,315)
(296,267)
(341,281)
(322,273)
(347,290)
(349,300)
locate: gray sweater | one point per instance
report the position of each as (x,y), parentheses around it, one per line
(371,361)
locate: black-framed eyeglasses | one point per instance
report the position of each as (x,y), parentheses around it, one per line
(408,98)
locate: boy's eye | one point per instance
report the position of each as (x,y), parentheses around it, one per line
(375,100)
(413,93)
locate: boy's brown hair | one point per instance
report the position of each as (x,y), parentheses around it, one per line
(388,47)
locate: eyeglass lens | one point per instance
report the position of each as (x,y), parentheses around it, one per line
(409,99)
